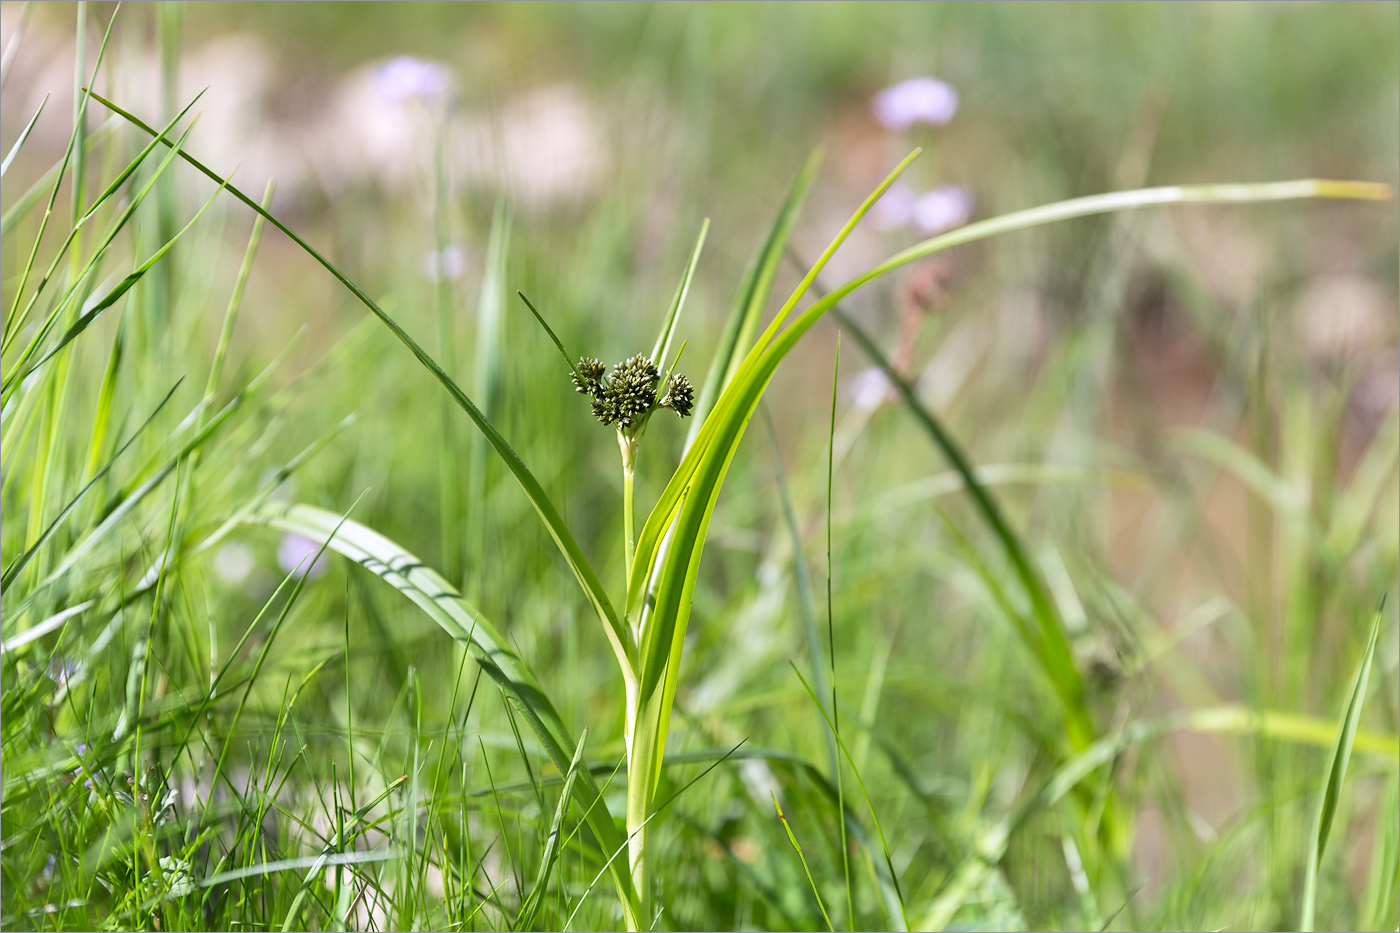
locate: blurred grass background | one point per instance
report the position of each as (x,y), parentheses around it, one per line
(1193,412)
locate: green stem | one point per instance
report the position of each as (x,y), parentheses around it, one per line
(628,446)
(638,803)
(638,783)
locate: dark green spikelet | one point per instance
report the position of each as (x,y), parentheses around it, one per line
(588,379)
(631,390)
(680,396)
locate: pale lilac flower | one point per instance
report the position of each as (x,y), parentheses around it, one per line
(918,100)
(943,208)
(296,551)
(407,77)
(895,209)
(869,388)
(449,264)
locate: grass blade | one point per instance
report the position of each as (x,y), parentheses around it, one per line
(662,347)
(805,870)
(90,315)
(1336,775)
(445,606)
(526,919)
(1049,643)
(753,294)
(23,135)
(619,635)
(19,563)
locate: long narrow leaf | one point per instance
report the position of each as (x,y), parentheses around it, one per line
(662,349)
(445,606)
(1336,774)
(23,135)
(619,635)
(754,290)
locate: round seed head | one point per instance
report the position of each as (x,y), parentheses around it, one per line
(631,390)
(589,377)
(680,396)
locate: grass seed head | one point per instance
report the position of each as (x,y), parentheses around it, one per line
(588,378)
(680,395)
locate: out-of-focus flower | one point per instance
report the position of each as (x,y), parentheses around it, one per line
(406,78)
(234,562)
(1339,316)
(943,208)
(450,264)
(918,100)
(869,388)
(61,669)
(895,209)
(297,551)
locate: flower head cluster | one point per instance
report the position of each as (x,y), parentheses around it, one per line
(625,396)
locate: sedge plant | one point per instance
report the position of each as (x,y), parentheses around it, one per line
(646,621)
(647,633)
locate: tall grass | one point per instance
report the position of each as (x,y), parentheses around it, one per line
(194,742)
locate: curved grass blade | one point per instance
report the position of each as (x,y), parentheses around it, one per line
(23,135)
(549,330)
(75,143)
(754,290)
(669,502)
(803,859)
(526,918)
(1048,642)
(445,606)
(18,564)
(619,635)
(662,347)
(806,601)
(14,322)
(17,318)
(107,300)
(24,202)
(1336,774)
(689,499)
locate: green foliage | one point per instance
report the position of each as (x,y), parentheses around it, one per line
(285,648)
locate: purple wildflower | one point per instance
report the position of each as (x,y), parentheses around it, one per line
(869,388)
(407,77)
(895,209)
(943,208)
(449,264)
(296,551)
(918,100)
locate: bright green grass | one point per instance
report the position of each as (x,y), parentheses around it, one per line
(967,713)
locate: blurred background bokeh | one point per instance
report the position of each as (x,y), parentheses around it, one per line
(1190,413)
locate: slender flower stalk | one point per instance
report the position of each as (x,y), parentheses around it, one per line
(626,398)
(628,446)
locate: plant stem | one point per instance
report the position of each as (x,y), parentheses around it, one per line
(638,805)
(628,446)
(638,795)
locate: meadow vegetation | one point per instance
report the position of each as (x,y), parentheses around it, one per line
(1039,438)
